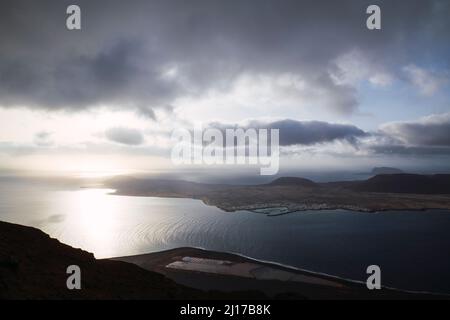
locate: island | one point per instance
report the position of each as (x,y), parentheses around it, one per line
(283,195)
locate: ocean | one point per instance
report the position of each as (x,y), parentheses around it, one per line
(411,248)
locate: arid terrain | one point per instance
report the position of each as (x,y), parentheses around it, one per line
(288,194)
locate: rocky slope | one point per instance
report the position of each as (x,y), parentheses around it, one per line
(33,266)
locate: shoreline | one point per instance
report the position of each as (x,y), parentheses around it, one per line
(377,194)
(269,263)
(318,283)
(298,207)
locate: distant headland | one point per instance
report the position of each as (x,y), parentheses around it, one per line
(382,192)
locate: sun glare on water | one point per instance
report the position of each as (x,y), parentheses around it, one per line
(96,218)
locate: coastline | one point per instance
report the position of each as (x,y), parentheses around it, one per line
(379,193)
(291,207)
(33,265)
(313,285)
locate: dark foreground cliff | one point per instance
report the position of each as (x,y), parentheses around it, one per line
(33,266)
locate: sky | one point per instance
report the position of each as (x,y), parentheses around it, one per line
(106,98)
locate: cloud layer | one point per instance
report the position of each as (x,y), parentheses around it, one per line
(179,62)
(294,132)
(143,55)
(431,131)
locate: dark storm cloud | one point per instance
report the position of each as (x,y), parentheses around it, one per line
(125,50)
(294,132)
(126,136)
(430,131)
(427,136)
